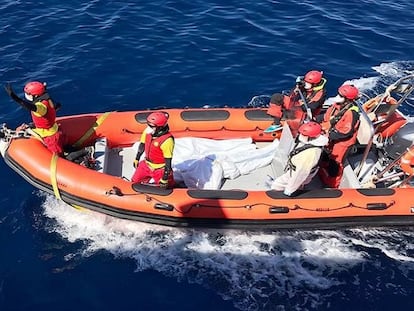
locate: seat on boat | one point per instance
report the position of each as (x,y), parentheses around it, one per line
(114,161)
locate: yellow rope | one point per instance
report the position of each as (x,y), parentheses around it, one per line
(79,208)
(53,179)
(89,132)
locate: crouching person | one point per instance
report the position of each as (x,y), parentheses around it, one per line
(158,144)
(303,160)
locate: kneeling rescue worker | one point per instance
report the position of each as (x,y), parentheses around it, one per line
(158,145)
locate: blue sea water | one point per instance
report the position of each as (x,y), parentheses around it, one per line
(109,55)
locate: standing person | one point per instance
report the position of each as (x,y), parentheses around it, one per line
(341,123)
(43,111)
(303,160)
(304,101)
(158,144)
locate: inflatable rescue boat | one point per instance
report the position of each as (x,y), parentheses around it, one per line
(222,160)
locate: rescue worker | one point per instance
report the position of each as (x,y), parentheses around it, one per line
(43,112)
(158,144)
(292,107)
(341,123)
(303,160)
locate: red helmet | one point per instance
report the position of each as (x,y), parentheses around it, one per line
(158,118)
(310,129)
(348,91)
(313,76)
(34,88)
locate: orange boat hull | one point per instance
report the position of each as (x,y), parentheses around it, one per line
(80,186)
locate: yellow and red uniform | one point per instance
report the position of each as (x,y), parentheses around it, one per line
(157,150)
(45,126)
(43,112)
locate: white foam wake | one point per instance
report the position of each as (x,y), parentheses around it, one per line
(253,269)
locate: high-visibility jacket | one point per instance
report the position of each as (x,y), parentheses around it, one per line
(44,118)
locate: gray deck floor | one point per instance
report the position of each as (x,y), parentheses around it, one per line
(119,162)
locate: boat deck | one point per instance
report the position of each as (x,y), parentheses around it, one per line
(118,162)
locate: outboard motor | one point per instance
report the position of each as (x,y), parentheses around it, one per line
(400,141)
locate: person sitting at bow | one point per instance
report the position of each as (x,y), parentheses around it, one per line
(303,102)
(158,144)
(341,123)
(303,160)
(43,112)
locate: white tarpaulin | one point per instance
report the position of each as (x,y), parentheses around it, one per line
(203,163)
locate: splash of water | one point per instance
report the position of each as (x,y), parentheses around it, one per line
(253,269)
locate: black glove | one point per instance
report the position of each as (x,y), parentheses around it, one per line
(9,89)
(11,93)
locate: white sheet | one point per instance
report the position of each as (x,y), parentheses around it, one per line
(203,163)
